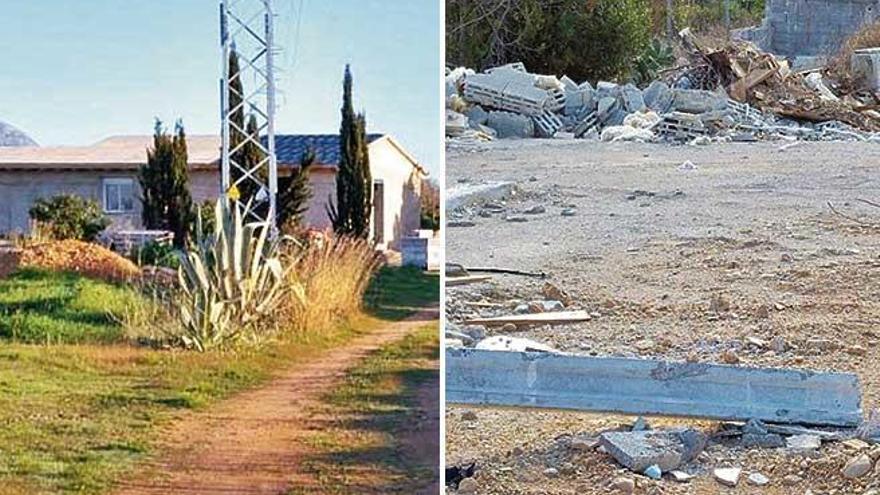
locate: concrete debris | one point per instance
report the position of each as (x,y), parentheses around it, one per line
(667,449)
(736,92)
(758,479)
(727,476)
(654,472)
(803,443)
(681,476)
(504,343)
(624,485)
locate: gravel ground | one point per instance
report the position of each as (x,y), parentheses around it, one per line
(720,253)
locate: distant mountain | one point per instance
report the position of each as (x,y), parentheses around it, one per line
(10,136)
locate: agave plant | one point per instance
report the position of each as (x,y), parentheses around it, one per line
(232,279)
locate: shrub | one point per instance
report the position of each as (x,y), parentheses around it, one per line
(157,254)
(587,40)
(656,56)
(232,281)
(68,216)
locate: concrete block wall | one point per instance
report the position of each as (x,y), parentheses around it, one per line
(814,27)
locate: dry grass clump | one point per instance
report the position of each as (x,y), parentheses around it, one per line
(91,260)
(335,271)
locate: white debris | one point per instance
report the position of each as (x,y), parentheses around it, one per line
(514,344)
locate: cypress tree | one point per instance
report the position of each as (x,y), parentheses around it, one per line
(351,213)
(294,193)
(164,181)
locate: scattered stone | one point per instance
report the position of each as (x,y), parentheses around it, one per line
(763,441)
(584,444)
(551,472)
(624,485)
(668,449)
(536,307)
(756,342)
(856,444)
(535,210)
(727,476)
(755,427)
(468,416)
(553,292)
(508,327)
(681,476)
(719,304)
(460,223)
(758,479)
(858,467)
(729,357)
(516,219)
(803,443)
(778,344)
(468,485)
(687,166)
(786,258)
(870,428)
(569,212)
(654,472)
(791,480)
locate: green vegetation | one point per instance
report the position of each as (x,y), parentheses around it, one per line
(364,452)
(587,40)
(68,216)
(397,292)
(164,180)
(76,417)
(48,308)
(157,254)
(294,194)
(354,183)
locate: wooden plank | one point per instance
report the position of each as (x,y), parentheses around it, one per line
(468,279)
(551,318)
(643,386)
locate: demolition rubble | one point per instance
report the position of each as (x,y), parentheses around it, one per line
(737,93)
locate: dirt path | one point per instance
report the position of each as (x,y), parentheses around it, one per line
(253,442)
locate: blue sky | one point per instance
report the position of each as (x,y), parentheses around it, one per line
(75,72)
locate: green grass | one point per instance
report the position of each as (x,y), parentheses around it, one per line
(45,307)
(363,453)
(76,417)
(397,291)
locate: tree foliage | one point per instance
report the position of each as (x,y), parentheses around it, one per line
(585,39)
(68,216)
(354,183)
(295,192)
(164,180)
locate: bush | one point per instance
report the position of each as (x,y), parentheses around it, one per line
(157,254)
(68,216)
(587,40)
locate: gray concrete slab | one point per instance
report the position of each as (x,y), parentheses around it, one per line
(642,386)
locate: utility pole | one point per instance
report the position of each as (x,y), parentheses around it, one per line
(248,28)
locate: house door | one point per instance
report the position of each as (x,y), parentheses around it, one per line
(378,212)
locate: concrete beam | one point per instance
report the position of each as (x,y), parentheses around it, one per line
(642,386)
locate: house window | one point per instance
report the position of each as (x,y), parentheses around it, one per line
(118,195)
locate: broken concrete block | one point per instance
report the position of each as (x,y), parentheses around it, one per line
(668,449)
(681,476)
(803,443)
(865,67)
(658,97)
(698,101)
(465,194)
(727,476)
(568,83)
(477,116)
(456,123)
(632,99)
(547,124)
(509,124)
(504,343)
(606,106)
(758,479)
(605,89)
(765,441)
(653,472)
(870,428)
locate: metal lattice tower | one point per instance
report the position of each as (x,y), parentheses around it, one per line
(247,28)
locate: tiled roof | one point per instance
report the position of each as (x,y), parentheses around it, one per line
(289,148)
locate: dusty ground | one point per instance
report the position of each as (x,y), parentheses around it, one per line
(675,261)
(256,442)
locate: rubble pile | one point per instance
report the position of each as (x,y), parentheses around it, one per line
(735,93)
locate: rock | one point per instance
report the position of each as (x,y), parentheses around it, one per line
(551,472)
(516,219)
(460,223)
(729,357)
(858,467)
(680,476)
(778,344)
(511,125)
(870,428)
(755,427)
(536,307)
(719,304)
(791,480)
(802,443)
(508,327)
(668,449)
(764,441)
(645,345)
(856,350)
(569,212)
(641,424)
(468,416)
(633,101)
(584,444)
(698,101)
(856,444)
(535,210)
(468,485)
(727,476)
(552,306)
(658,97)
(624,485)
(758,479)
(653,472)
